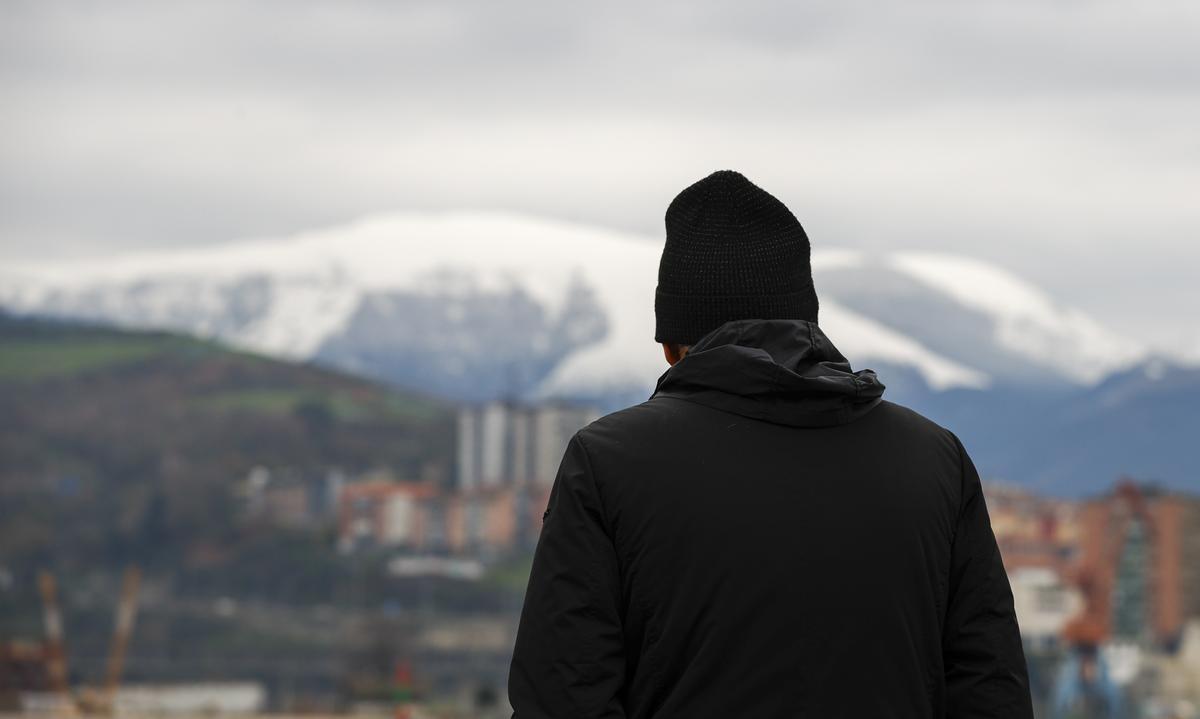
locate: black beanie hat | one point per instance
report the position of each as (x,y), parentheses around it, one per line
(733,252)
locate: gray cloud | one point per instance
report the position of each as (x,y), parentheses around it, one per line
(1056,139)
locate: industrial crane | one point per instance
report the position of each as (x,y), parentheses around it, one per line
(90,701)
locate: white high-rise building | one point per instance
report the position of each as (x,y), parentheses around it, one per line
(554,424)
(507,443)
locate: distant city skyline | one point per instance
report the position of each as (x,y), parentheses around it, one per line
(1056,141)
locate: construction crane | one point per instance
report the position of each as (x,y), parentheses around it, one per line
(91,701)
(56,655)
(126,613)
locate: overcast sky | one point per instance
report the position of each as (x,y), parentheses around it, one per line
(1060,139)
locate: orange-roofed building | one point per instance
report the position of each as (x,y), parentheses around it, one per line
(386,514)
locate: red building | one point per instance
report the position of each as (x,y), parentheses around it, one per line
(1139,564)
(385,513)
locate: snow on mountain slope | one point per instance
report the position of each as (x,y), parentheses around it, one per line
(1027,320)
(297,291)
(457,295)
(858,336)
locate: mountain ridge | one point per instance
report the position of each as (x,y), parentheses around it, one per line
(471,307)
(578,302)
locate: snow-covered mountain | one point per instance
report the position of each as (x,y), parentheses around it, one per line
(471,306)
(476,304)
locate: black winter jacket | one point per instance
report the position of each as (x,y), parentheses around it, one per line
(765,536)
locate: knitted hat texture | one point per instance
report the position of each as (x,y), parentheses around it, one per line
(733,251)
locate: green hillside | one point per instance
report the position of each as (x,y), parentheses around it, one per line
(123,446)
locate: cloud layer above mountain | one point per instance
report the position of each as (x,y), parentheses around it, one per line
(1054,139)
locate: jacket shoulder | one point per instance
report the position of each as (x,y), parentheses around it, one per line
(655,413)
(909,419)
(637,431)
(632,421)
(918,435)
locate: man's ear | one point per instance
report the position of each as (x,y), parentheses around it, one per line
(673,352)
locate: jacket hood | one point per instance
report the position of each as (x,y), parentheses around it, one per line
(782,371)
